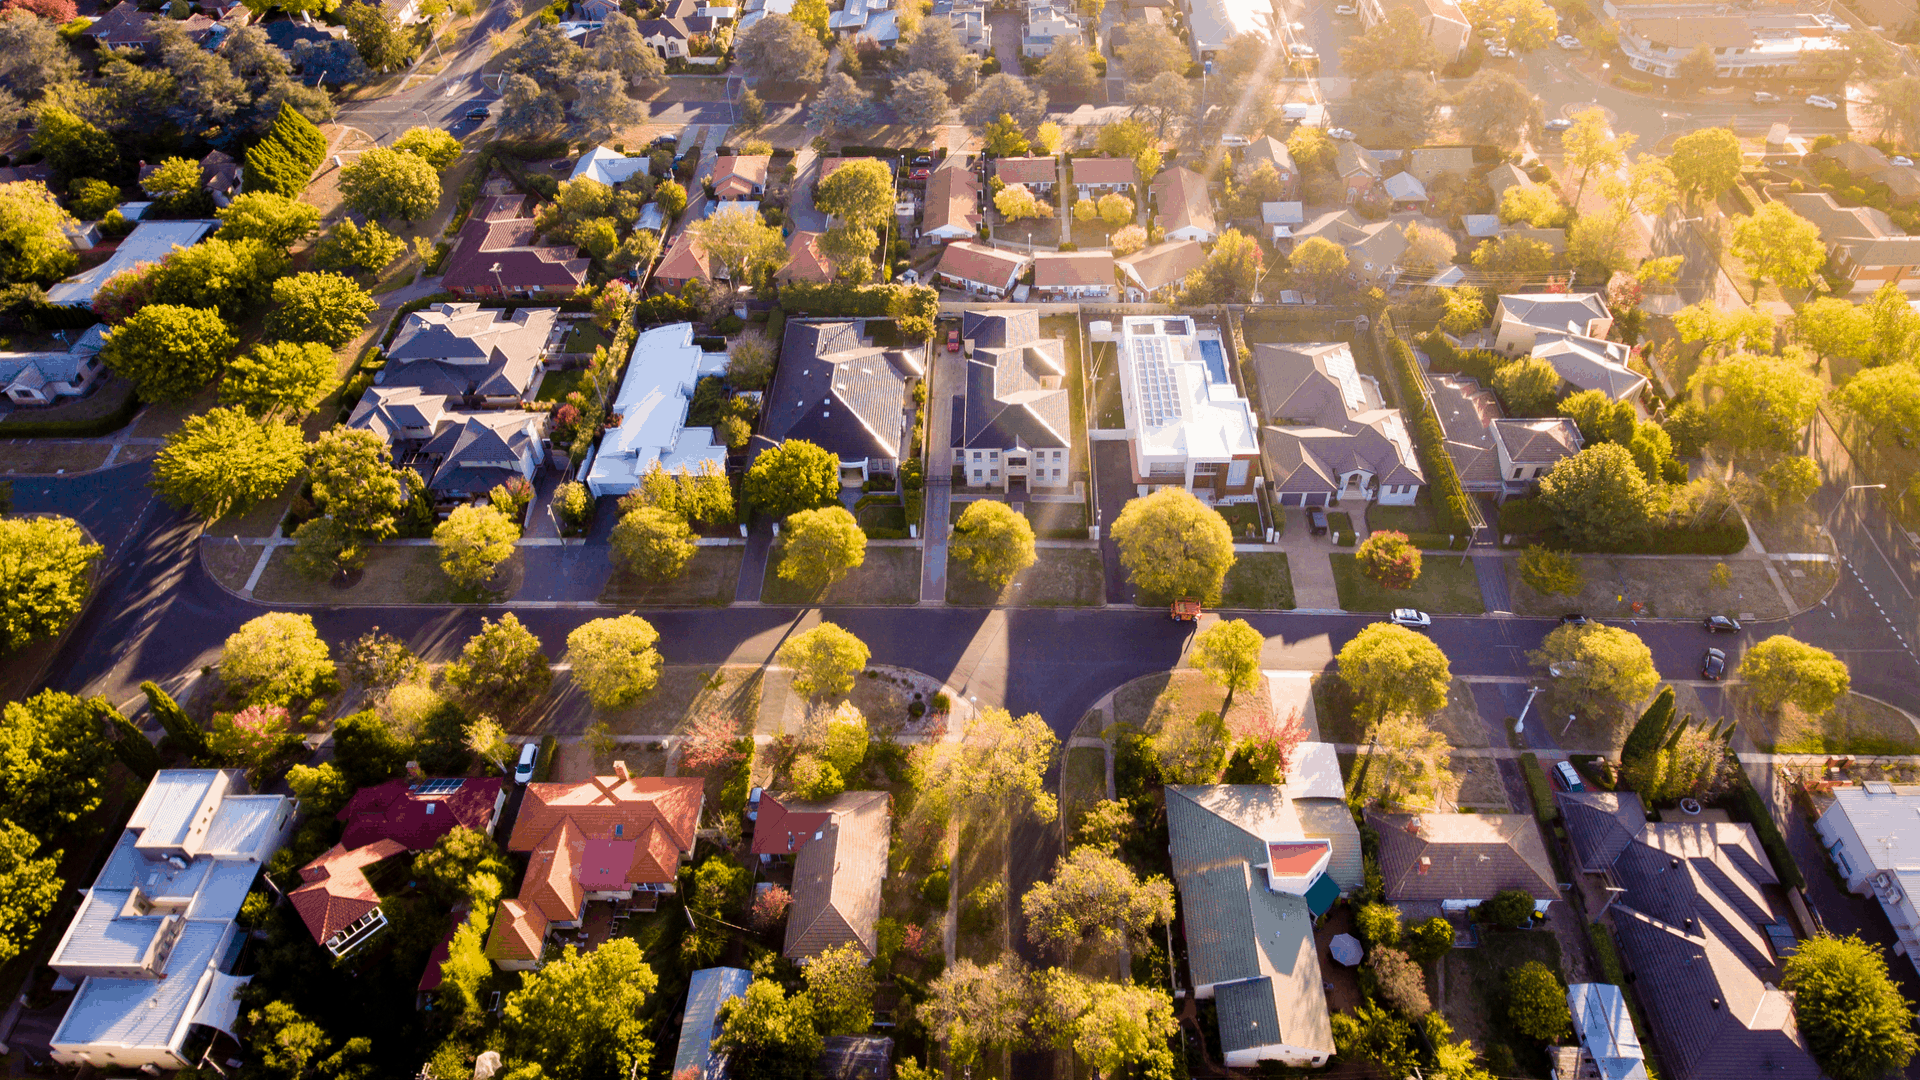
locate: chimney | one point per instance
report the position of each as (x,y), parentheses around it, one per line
(414,771)
(1426,864)
(620,770)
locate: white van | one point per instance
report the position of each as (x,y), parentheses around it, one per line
(523,772)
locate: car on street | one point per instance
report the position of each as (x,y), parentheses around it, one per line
(1573,618)
(1901,160)
(1821,102)
(1406,616)
(1720,624)
(953,341)
(1569,776)
(1302,52)
(479,114)
(1713,666)
(664,142)
(1567,41)
(1340,133)
(1345,9)
(1761,97)
(1499,51)
(1234,140)
(1559,123)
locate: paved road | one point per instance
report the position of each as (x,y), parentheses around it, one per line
(439,101)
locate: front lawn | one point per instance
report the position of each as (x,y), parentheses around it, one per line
(687,694)
(1333,706)
(407,574)
(890,575)
(1417,518)
(1259,581)
(1445,587)
(1675,587)
(1243,519)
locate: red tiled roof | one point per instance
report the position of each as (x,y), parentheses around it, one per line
(337,891)
(1103,171)
(685,260)
(431,978)
(1298,857)
(609,808)
(496,234)
(804,261)
(552,885)
(395,811)
(740,175)
(519,932)
(780,831)
(1026,170)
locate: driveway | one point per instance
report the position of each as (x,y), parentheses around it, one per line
(1309,563)
(1009,30)
(1113,481)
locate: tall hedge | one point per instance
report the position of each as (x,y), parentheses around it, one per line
(180,728)
(284,159)
(1430,443)
(1651,729)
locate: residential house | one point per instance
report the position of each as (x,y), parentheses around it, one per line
(1097,176)
(1609,1047)
(483,356)
(41,378)
(673,37)
(685,260)
(497,255)
(805,261)
(1445,25)
(872,19)
(953,202)
(219,177)
(655,394)
(1255,864)
(1404,190)
(1180,200)
(838,848)
(1702,925)
(983,271)
(1216,22)
(740,177)
(1012,429)
(1526,450)
(1869,831)
(1590,363)
(841,392)
(1864,246)
(155,936)
(125,26)
(1267,150)
(1503,176)
(1187,423)
(1520,318)
(854,1057)
(1357,169)
(339,905)
(149,242)
(1329,435)
(1763,43)
(609,166)
(609,838)
(1156,274)
(1373,247)
(969,21)
(1074,275)
(466,459)
(1047,23)
(1870,166)
(1459,861)
(1281,219)
(707,990)
(417,810)
(1039,174)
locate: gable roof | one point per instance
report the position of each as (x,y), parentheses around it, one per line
(1567,313)
(739,175)
(1377,242)
(419,813)
(804,259)
(1503,176)
(953,198)
(1014,398)
(1180,194)
(1026,170)
(609,166)
(519,932)
(1352,159)
(1104,170)
(1462,856)
(1604,1027)
(1590,363)
(1858,158)
(1600,824)
(1331,420)
(1268,149)
(1067,269)
(837,878)
(837,391)
(1540,441)
(685,260)
(1165,264)
(981,263)
(497,234)
(707,990)
(386,410)
(336,891)
(149,242)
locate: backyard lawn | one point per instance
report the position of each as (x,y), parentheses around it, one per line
(584,338)
(1475,1002)
(558,384)
(1259,581)
(1445,586)
(890,575)
(709,580)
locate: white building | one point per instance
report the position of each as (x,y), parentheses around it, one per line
(654,397)
(149,242)
(1605,1029)
(1873,833)
(1749,44)
(1187,423)
(154,935)
(1520,318)
(609,166)
(1215,22)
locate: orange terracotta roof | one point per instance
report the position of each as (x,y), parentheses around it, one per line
(804,260)
(609,808)
(519,933)
(552,885)
(337,891)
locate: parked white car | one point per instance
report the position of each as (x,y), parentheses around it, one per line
(1820,102)
(1303,52)
(1407,616)
(1567,41)
(1234,140)
(1901,160)
(1340,133)
(1559,123)
(1345,9)
(1761,97)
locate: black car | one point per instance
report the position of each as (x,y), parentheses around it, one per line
(665,142)
(1573,618)
(479,114)
(1713,665)
(1720,624)
(1316,521)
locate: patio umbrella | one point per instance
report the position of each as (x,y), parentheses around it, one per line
(1346,949)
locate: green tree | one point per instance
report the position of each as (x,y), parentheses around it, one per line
(233,276)
(1389,559)
(266,216)
(740,242)
(1599,418)
(46,575)
(1589,145)
(821,546)
(772,1034)
(1652,449)
(1537,1002)
(1428,940)
(322,789)
(1016,202)
(793,476)
(181,729)
(277,659)
(1508,907)
(1465,311)
(919,98)
(447,869)
(1599,497)
(1229,652)
(614,660)
(579,1017)
(1791,481)
(1396,43)
(1410,763)
(1004,137)
(1371,1033)
(29,885)
(224,462)
(1600,666)
(653,544)
(977,1010)
(1173,545)
(1402,984)
(1780,246)
(1000,762)
(347,246)
(473,541)
(168,352)
(327,308)
(993,541)
(379,37)
(1857,1022)
(71,146)
(1706,162)
(1758,402)
(323,547)
(1092,895)
(1735,328)
(1893,325)
(859,192)
(840,985)
(276,377)
(1393,669)
(436,147)
(824,660)
(1113,1026)
(1228,275)
(33,239)
(354,482)
(1884,397)
(1537,205)
(1551,573)
(1513,260)
(1191,748)
(501,668)
(1319,266)
(391,183)
(1496,109)
(1378,924)
(1785,671)
(288,1046)
(55,752)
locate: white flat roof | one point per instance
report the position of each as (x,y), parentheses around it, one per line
(145,1014)
(150,241)
(1178,406)
(652,404)
(607,165)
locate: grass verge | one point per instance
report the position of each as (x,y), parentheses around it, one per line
(1670,588)
(709,580)
(890,575)
(1059,577)
(1445,586)
(393,575)
(1259,581)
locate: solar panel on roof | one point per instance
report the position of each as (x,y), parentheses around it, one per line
(438,786)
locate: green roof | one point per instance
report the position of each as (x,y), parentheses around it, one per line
(1321,894)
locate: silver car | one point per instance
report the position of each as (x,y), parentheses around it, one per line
(1410,617)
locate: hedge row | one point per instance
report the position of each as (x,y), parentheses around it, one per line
(1430,441)
(1444,359)
(1544,807)
(1762,821)
(284,160)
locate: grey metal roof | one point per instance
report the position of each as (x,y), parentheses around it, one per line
(146,1013)
(1329,819)
(707,990)
(99,937)
(1601,824)
(1247,1014)
(174,798)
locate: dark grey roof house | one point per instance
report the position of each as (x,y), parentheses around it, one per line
(1461,860)
(463,350)
(1328,432)
(1013,424)
(841,392)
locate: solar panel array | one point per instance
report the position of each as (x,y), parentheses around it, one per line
(1156,385)
(1340,366)
(445,785)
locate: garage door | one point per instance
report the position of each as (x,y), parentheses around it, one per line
(1289,498)
(1316,498)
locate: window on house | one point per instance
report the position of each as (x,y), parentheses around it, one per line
(976,476)
(976,455)
(994,474)
(1056,474)
(1519,473)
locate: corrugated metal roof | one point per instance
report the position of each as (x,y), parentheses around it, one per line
(173,797)
(245,823)
(707,990)
(145,1013)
